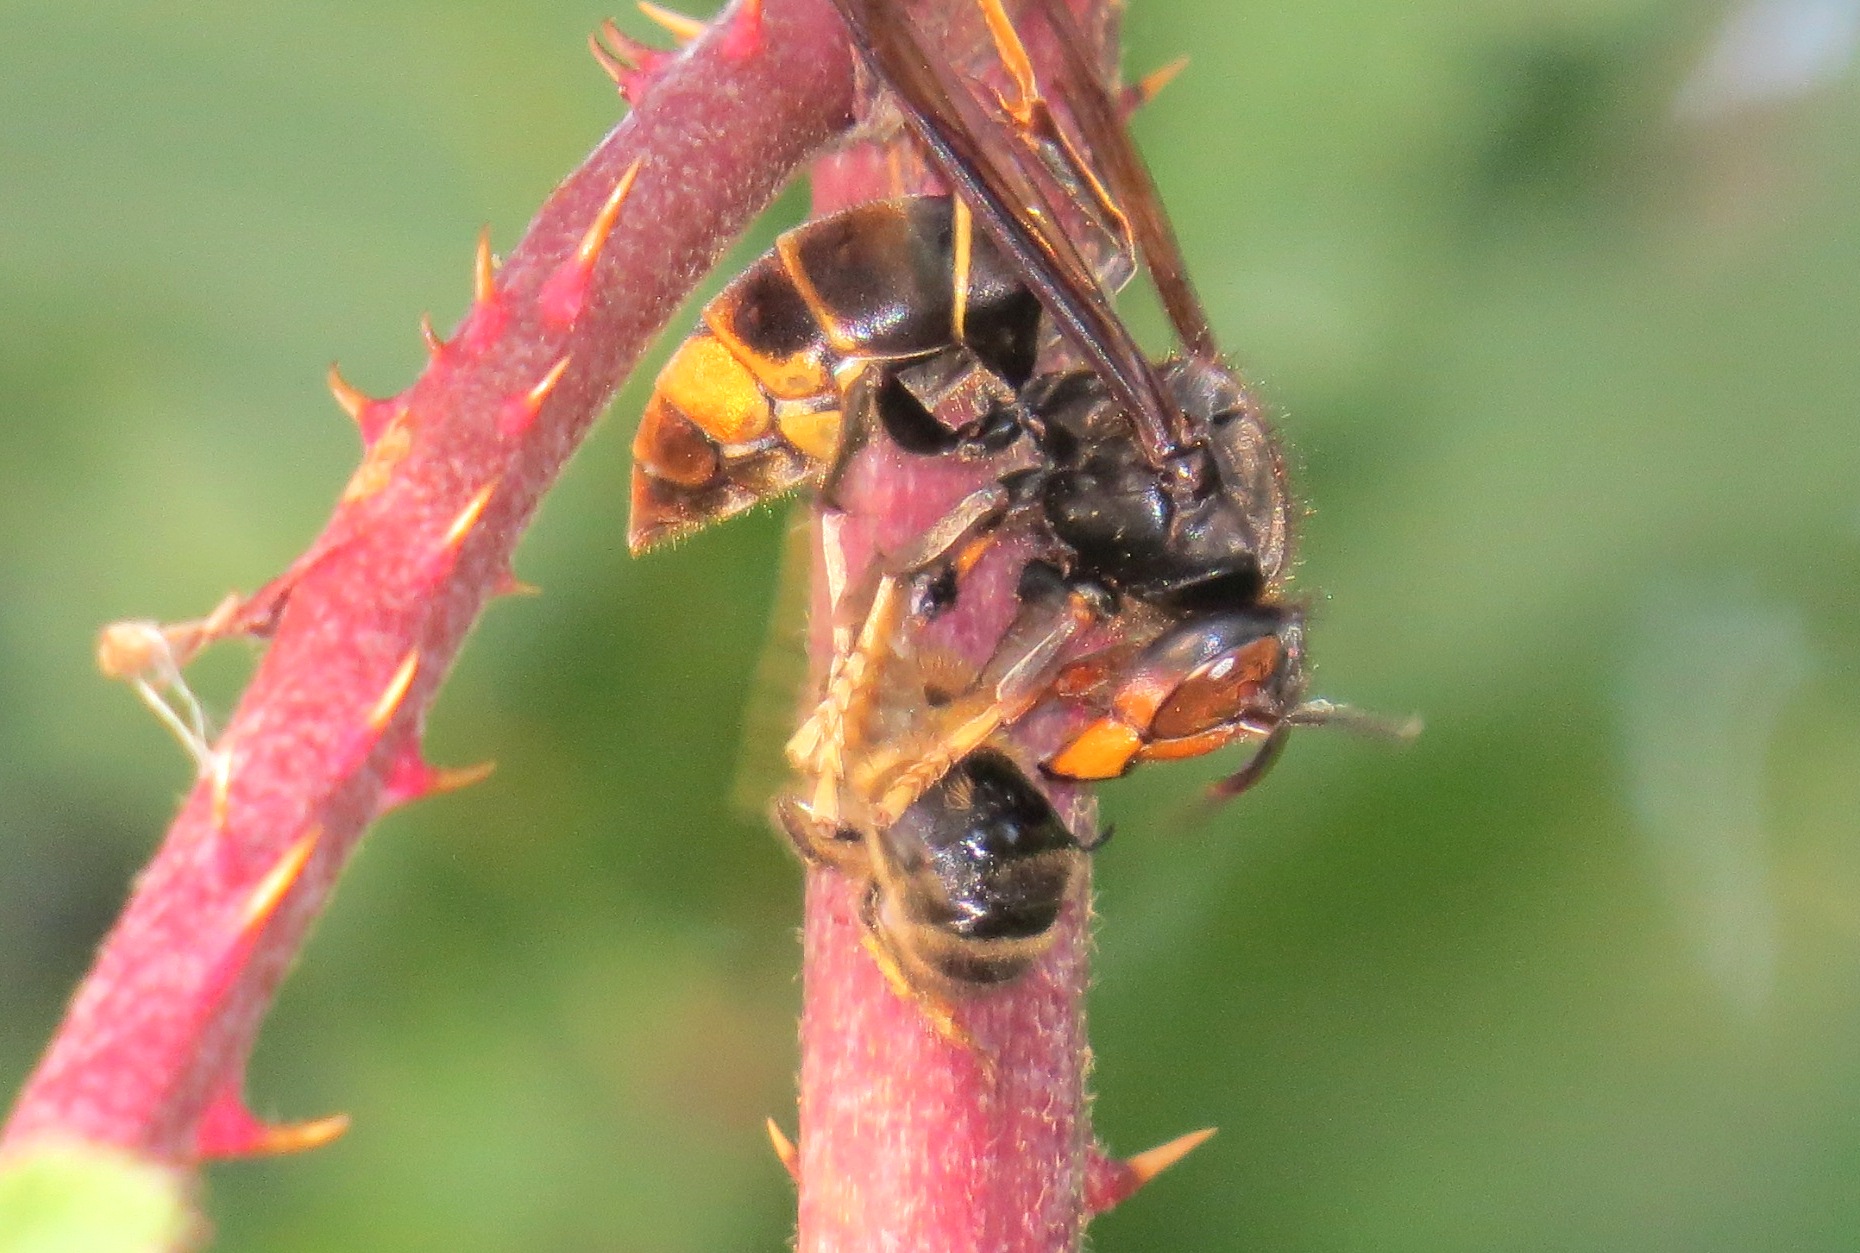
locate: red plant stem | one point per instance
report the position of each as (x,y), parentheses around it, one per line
(910,1139)
(326,736)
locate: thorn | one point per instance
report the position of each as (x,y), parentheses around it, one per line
(680,26)
(632,65)
(508,584)
(396,692)
(271,890)
(564,292)
(469,515)
(520,411)
(603,224)
(369,415)
(442,560)
(742,38)
(612,66)
(410,778)
(1152,1162)
(1148,87)
(228,1129)
(484,269)
(1110,1182)
(434,345)
(789,1156)
(353,402)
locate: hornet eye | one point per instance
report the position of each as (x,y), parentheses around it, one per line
(1219,691)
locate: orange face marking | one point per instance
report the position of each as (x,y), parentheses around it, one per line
(1139,699)
(1103,750)
(716,391)
(817,434)
(671,447)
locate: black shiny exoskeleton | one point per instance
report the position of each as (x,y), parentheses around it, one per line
(968,883)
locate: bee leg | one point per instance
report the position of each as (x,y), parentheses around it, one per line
(937,1010)
(817,842)
(818,748)
(1015,679)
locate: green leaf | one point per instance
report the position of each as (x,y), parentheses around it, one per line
(78,1199)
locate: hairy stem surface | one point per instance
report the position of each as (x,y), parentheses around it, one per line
(911,1139)
(364,626)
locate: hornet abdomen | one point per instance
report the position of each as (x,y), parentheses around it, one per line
(754,403)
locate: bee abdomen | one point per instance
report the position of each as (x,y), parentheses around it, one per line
(751,405)
(983,867)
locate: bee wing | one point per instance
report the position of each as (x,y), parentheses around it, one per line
(1101,120)
(982,160)
(781,683)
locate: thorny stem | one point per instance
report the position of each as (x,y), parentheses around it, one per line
(910,1139)
(363,628)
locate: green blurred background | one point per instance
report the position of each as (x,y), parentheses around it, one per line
(1558,302)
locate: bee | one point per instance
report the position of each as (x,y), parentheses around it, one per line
(1146,503)
(964,889)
